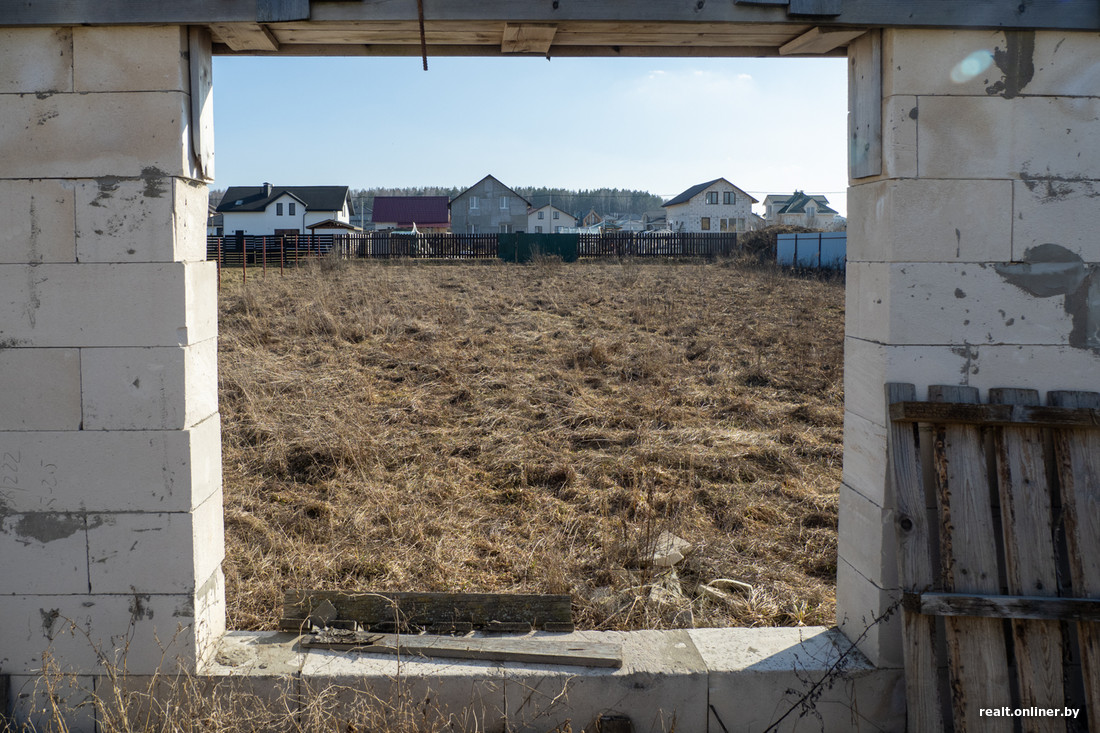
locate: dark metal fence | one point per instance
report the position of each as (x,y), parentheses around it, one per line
(289,251)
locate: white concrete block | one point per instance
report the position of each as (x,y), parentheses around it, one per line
(866,611)
(209,617)
(149,389)
(757,676)
(428,690)
(136,221)
(1053,210)
(155,553)
(106,305)
(931,221)
(1044,368)
(43,553)
(48,703)
(126,134)
(124,471)
(980,63)
(899,137)
(38,221)
(41,389)
(36,60)
(142,632)
(130,59)
(991,137)
(867,301)
(865,457)
(933,303)
(661,686)
(866,539)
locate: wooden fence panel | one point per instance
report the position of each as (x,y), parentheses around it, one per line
(1028,527)
(978,660)
(1078,455)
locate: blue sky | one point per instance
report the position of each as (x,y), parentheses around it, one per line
(662,125)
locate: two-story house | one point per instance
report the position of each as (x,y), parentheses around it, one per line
(487,207)
(549,220)
(267,209)
(714,206)
(800,209)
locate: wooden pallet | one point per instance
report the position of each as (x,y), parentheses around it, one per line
(1009,480)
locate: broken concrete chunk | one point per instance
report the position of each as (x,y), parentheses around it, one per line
(669,550)
(730,584)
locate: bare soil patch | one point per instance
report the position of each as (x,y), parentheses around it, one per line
(532,428)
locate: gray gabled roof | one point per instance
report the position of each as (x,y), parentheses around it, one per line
(256,198)
(796,204)
(694,191)
(456,198)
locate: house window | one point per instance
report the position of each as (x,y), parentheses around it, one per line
(712,197)
(475,229)
(278,209)
(504,203)
(740,224)
(723,225)
(556,215)
(473,202)
(542,214)
(704,223)
(505,229)
(290,208)
(729,197)
(538,229)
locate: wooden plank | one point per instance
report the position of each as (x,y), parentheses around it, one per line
(990,415)
(201,72)
(978,659)
(865,103)
(527,650)
(1028,526)
(1014,607)
(815,7)
(527,37)
(820,40)
(385,50)
(915,570)
(1078,456)
(425,609)
(245,36)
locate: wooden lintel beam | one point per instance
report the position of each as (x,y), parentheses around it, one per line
(820,40)
(991,606)
(527,38)
(466,50)
(246,36)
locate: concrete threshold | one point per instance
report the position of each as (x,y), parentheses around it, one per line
(713,680)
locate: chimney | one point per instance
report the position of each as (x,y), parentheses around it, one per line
(267,189)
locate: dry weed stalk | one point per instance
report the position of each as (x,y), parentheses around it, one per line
(531,429)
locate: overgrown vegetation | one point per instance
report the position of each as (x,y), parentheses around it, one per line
(504,428)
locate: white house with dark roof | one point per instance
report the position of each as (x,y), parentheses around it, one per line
(714,206)
(267,209)
(799,209)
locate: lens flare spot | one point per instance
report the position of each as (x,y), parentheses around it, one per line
(971,66)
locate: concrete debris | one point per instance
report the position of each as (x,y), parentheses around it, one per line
(669,550)
(722,589)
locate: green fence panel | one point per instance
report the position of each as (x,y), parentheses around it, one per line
(523,247)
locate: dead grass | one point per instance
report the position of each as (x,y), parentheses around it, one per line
(504,428)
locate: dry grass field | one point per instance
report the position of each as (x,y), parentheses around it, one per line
(532,428)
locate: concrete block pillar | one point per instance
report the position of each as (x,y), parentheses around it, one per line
(989,158)
(110,454)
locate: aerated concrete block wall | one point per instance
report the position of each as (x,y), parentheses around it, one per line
(990,161)
(110,453)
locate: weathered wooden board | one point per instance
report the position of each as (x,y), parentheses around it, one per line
(527,650)
(245,36)
(820,40)
(494,611)
(1014,607)
(865,103)
(527,37)
(915,570)
(1078,455)
(1028,528)
(978,660)
(990,415)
